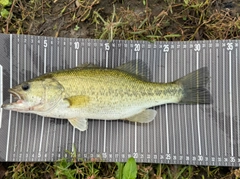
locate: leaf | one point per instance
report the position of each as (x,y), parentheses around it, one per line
(119,172)
(130,169)
(4,13)
(63,169)
(76,28)
(4,2)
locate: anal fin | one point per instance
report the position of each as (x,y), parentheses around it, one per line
(145,116)
(79,123)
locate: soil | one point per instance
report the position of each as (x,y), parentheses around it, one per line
(75,18)
(65,24)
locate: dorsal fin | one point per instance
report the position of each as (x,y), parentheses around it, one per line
(87,65)
(136,67)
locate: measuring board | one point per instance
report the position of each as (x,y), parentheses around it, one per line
(180,134)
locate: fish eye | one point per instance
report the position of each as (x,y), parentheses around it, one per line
(25,86)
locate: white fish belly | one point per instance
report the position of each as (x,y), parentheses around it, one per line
(111,112)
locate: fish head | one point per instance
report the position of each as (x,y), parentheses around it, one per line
(38,95)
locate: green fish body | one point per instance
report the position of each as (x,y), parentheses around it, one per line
(84,93)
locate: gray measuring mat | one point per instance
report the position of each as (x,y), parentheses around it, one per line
(180,134)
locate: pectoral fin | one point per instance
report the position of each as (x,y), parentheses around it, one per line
(79,123)
(77,101)
(144,117)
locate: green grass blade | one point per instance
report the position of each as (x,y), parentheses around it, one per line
(119,172)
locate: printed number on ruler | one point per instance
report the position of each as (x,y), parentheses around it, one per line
(76,45)
(45,43)
(180,157)
(165,48)
(168,156)
(197,47)
(230,46)
(104,155)
(200,158)
(194,158)
(135,155)
(232,159)
(107,46)
(136,47)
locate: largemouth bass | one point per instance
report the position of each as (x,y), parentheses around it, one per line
(91,92)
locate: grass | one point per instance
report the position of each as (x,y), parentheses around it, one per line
(173,20)
(110,26)
(189,20)
(169,20)
(94,169)
(70,169)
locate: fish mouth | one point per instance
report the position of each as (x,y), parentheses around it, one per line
(16,96)
(17,103)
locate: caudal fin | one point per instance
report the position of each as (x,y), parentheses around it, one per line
(194,87)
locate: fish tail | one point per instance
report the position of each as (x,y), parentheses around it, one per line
(193,84)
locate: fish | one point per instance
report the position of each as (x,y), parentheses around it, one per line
(92,92)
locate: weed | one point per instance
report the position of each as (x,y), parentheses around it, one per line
(222,26)
(81,12)
(3,10)
(63,169)
(110,26)
(28,170)
(66,168)
(176,20)
(119,172)
(128,170)
(145,171)
(76,28)
(133,25)
(78,168)
(237,173)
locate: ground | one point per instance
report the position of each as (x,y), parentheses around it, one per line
(120,19)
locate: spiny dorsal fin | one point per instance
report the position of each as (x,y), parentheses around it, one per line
(136,67)
(87,65)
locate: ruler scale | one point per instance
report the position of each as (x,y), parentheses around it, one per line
(180,134)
